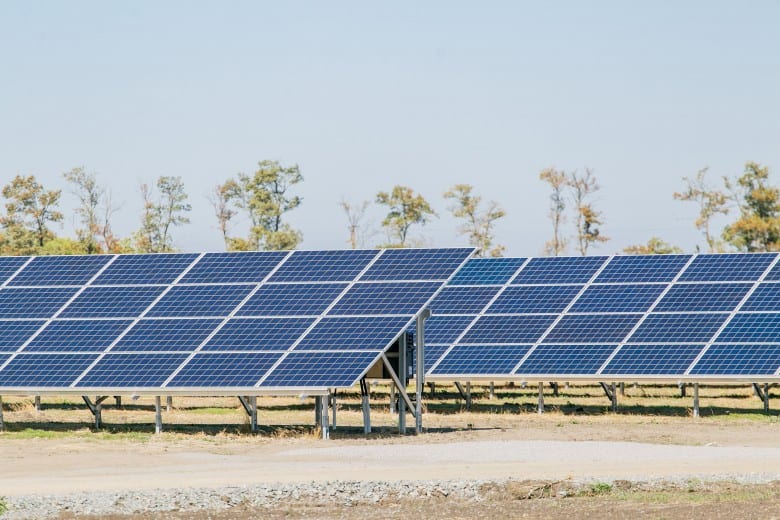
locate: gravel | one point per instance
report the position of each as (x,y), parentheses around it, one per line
(346,493)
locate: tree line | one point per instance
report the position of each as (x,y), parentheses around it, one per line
(264,198)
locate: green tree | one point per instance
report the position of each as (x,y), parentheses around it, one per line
(478,223)
(758,225)
(264,197)
(162,210)
(654,246)
(558,182)
(220,200)
(94,211)
(30,209)
(711,202)
(588,220)
(406,209)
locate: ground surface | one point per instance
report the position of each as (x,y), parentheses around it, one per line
(651,458)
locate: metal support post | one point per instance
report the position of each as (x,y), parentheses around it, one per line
(364,395)
(622,388)
(555,388)
(393,398)
(333,408)
(157,415)
(492,391)
(96,408)
(695,399)
(419,376)
(609,390)
(403,374)
(432,386)
(118,401)
(324,418)
(468,395)
(540,404)
(169,404)
(2,424)
(250,407)
(766,397)
(682,389)
(37,403)
(317,411)
(614,398)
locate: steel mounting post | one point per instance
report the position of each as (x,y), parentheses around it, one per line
(540,404)
(96,408)
(695,399)
(157,415)
(364,398)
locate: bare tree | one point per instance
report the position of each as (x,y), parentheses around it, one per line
(558,182)
(360,229)
(588,219)
(220,198)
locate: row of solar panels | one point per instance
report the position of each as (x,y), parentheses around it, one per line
(218,321)
(632,316)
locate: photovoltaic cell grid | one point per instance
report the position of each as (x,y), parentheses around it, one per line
(652,315)
(216,320)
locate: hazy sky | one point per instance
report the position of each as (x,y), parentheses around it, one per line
(365,95)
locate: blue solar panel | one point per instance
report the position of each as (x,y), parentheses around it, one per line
(521,299)
(673,328)
(13,334)
(77,335)
(657,359)
(566,359)
(618,298)
(643,268)
(508,329)
(324,266)
(200,300)
(748,328)
(432,355)
(559,270)
(739,360)
(487,271)
(444,329)
(33,303)
(233,267)
(473,359)
(112,302)
(258,334)
(592,328)
(291,299)
(703,297)
(132,370)
(417,264)
(362,333)
(208,370)
(727,268)
(462,300)
(320,369)
(166,335)
(9,265)
(60,270)
(44,370)
(766,297)
(145,269)
(385,298)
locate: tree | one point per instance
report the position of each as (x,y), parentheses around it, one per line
(478,223)
(711,202)
(162,211)
(558,181)
(220,201)
(264,197)
(588,219)
(30,208)
(95,211)
(405,210)
(654,246)
(360,230)
(758,226)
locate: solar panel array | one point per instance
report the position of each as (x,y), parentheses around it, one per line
(632,317)
(259,320)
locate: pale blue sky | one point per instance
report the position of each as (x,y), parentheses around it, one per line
(366,95)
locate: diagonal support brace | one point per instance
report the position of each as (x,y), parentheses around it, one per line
(401,391)
(96,408)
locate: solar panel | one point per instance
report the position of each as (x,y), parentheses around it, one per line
(444,329)
(320,369)
(77,335)
(112,302)
(644,316)
(228,370)
(462,300)
(60,270)
(200,300)
(33,302)
(161,268)
(487,271)
(209,321)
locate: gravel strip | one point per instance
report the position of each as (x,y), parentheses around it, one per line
(345,493)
